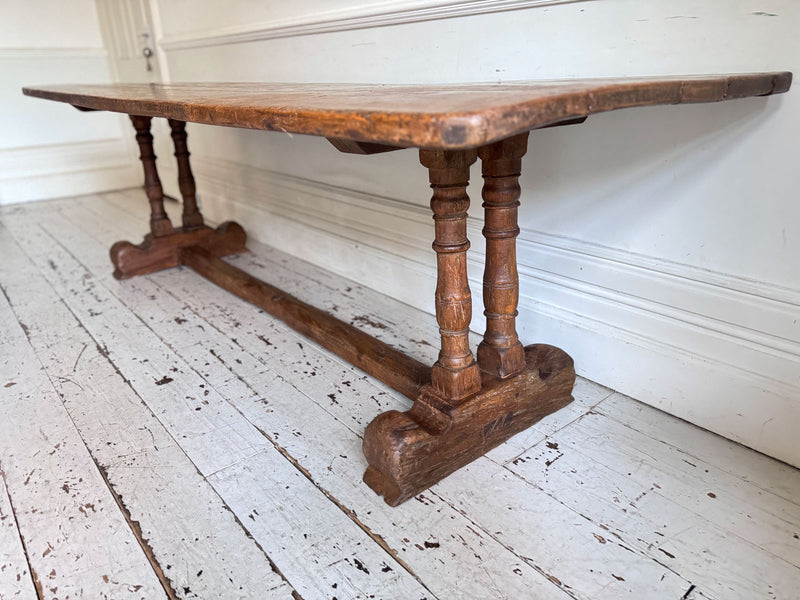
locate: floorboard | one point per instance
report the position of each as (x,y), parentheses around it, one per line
(219,452)
(57,494)
(135,452)
(15,574)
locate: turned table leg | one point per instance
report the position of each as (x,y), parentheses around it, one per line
(159,221)
(500,353)
(466,411)
(191,214)
(456,373)
(162,247)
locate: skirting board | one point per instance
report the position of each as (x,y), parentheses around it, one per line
(718,351)
(53,171)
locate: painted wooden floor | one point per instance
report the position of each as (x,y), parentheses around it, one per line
(161,439)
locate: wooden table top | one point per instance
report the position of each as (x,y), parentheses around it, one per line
(453,116)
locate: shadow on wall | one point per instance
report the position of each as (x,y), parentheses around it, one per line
(614,169)
(620,171)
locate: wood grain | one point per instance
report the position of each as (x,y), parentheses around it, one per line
(409,452)
(500,353)
(459,415)
(455,373)
(163,252)
(380,360)
(160,224)
(191,215)
(456,116)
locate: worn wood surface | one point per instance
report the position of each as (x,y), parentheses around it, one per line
(408,452)
(457,415)
(15,574)
(326,452)
(155,253)
(123,434)
(579,515)
(160,224)
(191,216)
(395,369)
(500,353)
(60,501)
(423,116)
(455,373)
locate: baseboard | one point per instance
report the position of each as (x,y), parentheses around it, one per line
(720,351)
(52,171)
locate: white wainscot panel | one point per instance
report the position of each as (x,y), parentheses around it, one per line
(50,149)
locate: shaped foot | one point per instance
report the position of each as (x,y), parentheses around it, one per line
(408,452)
(163,252)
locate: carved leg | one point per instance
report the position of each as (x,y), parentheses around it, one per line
(465,412)
(501,353)
(191,214)
(455,374)
(161,247)
(159,221)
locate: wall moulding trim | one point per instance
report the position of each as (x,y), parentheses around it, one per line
(38,161)
(667,309)
(402,12)
(52,52)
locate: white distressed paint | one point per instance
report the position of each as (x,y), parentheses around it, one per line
(317,547)
(353,399)
(646,502)
(60,501)
(742,509)
(756,469)
(314,543)
(15,576)
(208,555)
(523,529)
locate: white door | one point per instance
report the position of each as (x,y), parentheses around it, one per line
(128,33)
(131,39)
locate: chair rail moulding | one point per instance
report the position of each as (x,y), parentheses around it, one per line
(401,12)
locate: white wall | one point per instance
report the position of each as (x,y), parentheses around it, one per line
(49,149)
(659,246)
